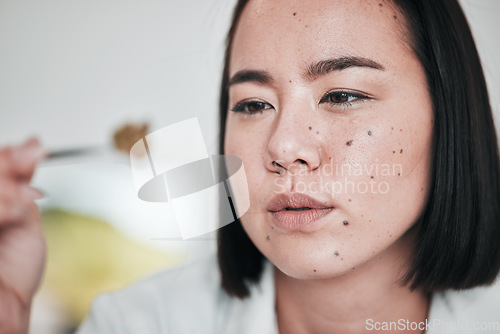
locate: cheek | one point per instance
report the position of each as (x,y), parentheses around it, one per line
(387,183)
(247,144)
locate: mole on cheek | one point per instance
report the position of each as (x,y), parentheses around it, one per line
(294,14)
(345,223)
(314,270)
(401,151)
(369,133)
(268,238)
(349,143)
(336,253)
(310,128)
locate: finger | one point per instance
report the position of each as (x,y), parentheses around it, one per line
(19,190)
(10,187)
(5,163)
(16,202)
(26,158)
(11,211)
(20,162)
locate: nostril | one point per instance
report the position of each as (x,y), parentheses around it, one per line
(279,166)
(301,161)
(280,169)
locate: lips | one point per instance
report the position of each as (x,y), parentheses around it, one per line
(296,211)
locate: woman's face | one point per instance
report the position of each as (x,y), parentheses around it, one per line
(330,113)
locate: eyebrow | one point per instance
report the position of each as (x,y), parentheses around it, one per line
(314,70)
(324,67)
(261,77)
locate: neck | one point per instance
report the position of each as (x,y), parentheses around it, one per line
(345,304)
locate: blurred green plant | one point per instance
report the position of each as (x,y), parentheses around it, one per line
(87,256)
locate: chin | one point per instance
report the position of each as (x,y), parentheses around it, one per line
(320,263)
(304,271)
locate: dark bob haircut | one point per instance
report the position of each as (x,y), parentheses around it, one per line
(458,233)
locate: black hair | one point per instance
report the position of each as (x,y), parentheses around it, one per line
(458,232)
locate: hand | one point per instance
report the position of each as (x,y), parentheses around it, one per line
(22,245)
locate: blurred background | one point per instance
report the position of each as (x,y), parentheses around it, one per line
(72,73)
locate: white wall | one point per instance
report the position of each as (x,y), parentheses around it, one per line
(72,71)
(484,18)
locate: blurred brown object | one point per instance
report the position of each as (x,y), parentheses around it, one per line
(127,135)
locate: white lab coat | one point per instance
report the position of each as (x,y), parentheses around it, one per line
(189,300)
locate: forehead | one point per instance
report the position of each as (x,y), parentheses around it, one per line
(300,32)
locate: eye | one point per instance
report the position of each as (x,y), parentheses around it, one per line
(251,106)
(343,98)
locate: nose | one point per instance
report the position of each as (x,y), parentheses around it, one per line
(293,144)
